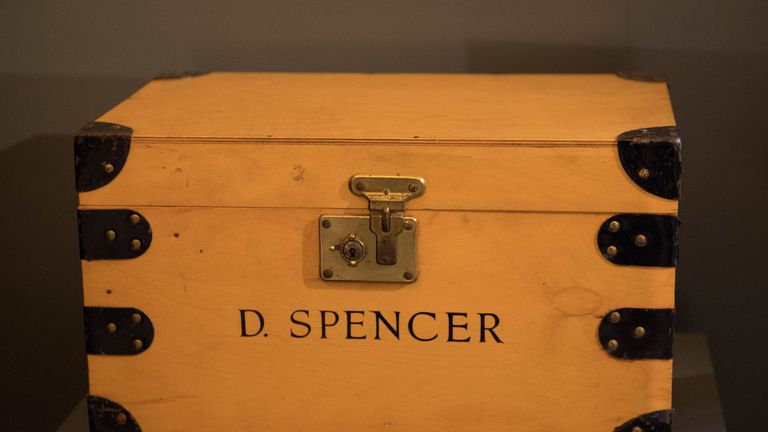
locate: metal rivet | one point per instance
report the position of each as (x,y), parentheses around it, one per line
(327,273)
(639,332)
(110,235)
(637,429)
(135,244)
(326,223)
(137,344)
(408,225)
(611,251)
(136,319)
(408,275)
(332,248)
(109,168)
(111,328)
(614,226)
(644,173)
(641,240)
(121,418)
(614,317)
(413,187)
(613,345)
(134,218)
(360,186)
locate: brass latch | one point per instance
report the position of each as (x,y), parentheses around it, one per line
(344,240)
(386,196)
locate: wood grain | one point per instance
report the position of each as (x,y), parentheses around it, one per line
(540,272)
(510,109)
(508,178)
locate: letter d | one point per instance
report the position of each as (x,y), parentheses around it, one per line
(243,325)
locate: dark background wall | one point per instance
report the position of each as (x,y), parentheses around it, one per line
(64,63)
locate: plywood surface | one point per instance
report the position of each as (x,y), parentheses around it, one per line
(466,177)
(508,109)
(541,273)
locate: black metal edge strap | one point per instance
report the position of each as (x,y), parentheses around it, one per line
(639,239)
(657,421)
(651,158)
(634,334)
(178,75)
(107,416)
(117,331)
(101,150)
(641,76)
(113,234)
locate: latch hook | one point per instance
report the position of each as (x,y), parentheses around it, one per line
(386,219)
(386,196)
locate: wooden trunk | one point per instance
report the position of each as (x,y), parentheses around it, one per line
(539,295)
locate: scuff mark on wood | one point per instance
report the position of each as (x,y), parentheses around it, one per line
(297,173)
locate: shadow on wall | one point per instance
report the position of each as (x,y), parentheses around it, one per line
(43,355)
(32,105)
(504,57)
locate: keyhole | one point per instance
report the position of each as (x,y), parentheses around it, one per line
(353,250)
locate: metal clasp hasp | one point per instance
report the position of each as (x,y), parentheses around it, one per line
(386,196)
(379,246)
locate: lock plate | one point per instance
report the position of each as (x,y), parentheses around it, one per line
(379,247)
(337,245)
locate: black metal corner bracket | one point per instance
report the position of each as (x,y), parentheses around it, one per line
(107,416)
(641,76)
(179,75)
(635,334)
(117,331)
(657,421)
(113,234)
(101,150)
(651,158)
(639,239)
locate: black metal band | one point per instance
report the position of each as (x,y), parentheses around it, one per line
(633,334)
(657,421)
(113,234)
(107,416)
(117,331)
(639,239)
